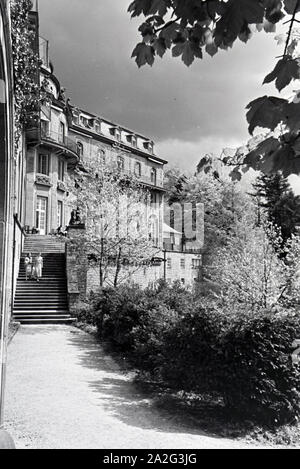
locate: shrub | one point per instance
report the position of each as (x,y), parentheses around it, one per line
(83,312)
(193,345)
(256,375)
(117,312)
(148,337)
(191,348)
(245,359)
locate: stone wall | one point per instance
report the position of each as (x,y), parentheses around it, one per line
(76,267)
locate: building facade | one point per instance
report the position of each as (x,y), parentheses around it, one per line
(66,136)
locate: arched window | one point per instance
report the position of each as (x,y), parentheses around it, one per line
(137,169)
(80,149)
(153,176)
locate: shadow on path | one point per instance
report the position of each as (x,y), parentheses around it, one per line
(124,400)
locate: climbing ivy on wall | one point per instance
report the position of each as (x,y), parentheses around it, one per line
(27,90)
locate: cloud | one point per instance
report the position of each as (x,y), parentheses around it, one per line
(91,44)
(186,155)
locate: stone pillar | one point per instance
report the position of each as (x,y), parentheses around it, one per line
(76,266)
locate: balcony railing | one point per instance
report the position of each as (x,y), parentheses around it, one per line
(143,178)
(59,139)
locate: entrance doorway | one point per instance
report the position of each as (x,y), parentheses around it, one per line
(41,214)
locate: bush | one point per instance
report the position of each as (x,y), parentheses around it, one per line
(257,375)
(245,359)
(83,312)
(148,337)
(191,349)
(117,312)
(192,345)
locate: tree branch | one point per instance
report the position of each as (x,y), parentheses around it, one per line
(291,29)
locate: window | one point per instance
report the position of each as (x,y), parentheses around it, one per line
(84,121)
(169,263)
(182,263)
(153,176)
(98,127)
(115,133)
(61,135)
(59,214)
(121,163)
(101,156)
(132,140)
(196,263)
(61,170)
(43,164)
(80,149)
(148,146)
(138,169)
(45,129)
(153,198)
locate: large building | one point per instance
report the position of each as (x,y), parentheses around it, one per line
(63,137)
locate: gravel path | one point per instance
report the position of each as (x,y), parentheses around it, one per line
(63,391)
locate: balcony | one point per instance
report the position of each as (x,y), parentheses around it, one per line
(62,143)
(143,179)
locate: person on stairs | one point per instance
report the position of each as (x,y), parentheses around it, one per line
(28,266)
(38,267)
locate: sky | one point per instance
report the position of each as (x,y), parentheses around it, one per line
(188,112)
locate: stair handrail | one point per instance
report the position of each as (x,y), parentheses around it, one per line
(18,223)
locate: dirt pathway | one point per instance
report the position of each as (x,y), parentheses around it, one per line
(63,391)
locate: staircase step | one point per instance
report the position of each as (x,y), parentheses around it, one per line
(46,301)
(39,321)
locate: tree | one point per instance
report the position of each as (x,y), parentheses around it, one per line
(224,205)
(191,28)
(116,239)
(275,196)
(250,274)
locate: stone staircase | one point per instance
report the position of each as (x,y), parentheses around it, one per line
(46,301)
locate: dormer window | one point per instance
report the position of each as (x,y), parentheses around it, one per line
(132,140)
(97,127)
(115,132)
(85,121)
(148,146)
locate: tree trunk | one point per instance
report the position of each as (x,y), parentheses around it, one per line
(118,268)
(101,265)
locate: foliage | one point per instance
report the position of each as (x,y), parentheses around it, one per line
(275,196)
(225,205)
(248,270)
(28,94)
(257,375)
(116,238)
(83,312)
(243,358)
(120,312)
(189,29)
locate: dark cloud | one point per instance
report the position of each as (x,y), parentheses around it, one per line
(91,43)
